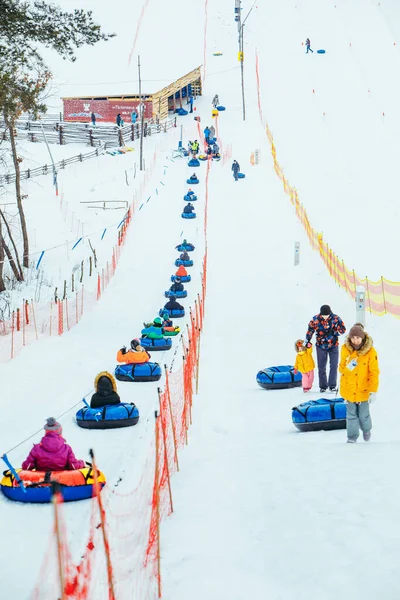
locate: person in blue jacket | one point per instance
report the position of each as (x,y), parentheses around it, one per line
(207,134)
(189,208)
(308,46)
(134,116)
(191,103)
(235,169)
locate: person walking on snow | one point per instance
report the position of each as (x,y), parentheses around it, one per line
(308,46)
(191,103)
(212,132)
(133,117)
(207,135)
(359,381)
(327,328)
(215,101)
(235,169)
(93,117)
(305,364)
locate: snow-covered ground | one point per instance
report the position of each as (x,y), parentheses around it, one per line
(260,510)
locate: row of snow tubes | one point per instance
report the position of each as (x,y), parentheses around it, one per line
(323,414)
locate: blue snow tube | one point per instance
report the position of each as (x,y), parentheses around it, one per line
(182,294)
(323,414)
(188,215)
(75,485)
(183,278)
(321,51)
(220,108)
(143,372)
(156,345)
(185,263)
(181,112)
(192,181)
(278,378)
(175,313)
(188,247)
(191,198)
(241,175)
(194,162)
(108,417)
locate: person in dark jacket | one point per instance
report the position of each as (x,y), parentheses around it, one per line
(184,256)
(209,150)
(93,117)
(327,328)
(118,120)
(215,148)
(177,286)
(172,304)
(235,169)
(106,391)
(189,208)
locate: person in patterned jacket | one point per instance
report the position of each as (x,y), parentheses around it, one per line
(327,328)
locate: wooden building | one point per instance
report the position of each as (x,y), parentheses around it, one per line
(157,105)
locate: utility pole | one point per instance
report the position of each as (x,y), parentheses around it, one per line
(141,107)
(241,51)
(55,182)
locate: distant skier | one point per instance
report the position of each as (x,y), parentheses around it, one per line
(215,101)
(93,117)
(308,46)
(235,169)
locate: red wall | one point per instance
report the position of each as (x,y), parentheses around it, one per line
(105,110)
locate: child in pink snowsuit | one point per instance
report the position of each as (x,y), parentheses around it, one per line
(305,364)
(52,453)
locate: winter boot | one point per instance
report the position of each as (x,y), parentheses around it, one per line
(366,436)
(322,390)
(351,440)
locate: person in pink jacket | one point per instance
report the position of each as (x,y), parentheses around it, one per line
(52,453)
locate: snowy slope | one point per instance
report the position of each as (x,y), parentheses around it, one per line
(262,510)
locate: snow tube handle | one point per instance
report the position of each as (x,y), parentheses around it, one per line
(14,472)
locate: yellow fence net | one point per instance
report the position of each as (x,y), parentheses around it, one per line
(382,296)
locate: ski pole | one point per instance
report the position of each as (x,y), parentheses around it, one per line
(14,472)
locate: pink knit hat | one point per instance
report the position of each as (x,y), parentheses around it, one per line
(53,425)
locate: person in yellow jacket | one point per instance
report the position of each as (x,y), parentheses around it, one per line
(359,381)
(305,364)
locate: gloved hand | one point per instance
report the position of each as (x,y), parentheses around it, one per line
(372,397)
(123,350)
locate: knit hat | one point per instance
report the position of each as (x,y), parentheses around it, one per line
(53,425)
(325,310)
(157,321)
(357,331)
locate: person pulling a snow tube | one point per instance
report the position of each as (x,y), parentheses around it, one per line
(106,411)
(137,355)
(174,309)
(188,211)
(193,179)
(182,274)
(278,378)
(50,460)
(320,415)
(185,246)
(138,372)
